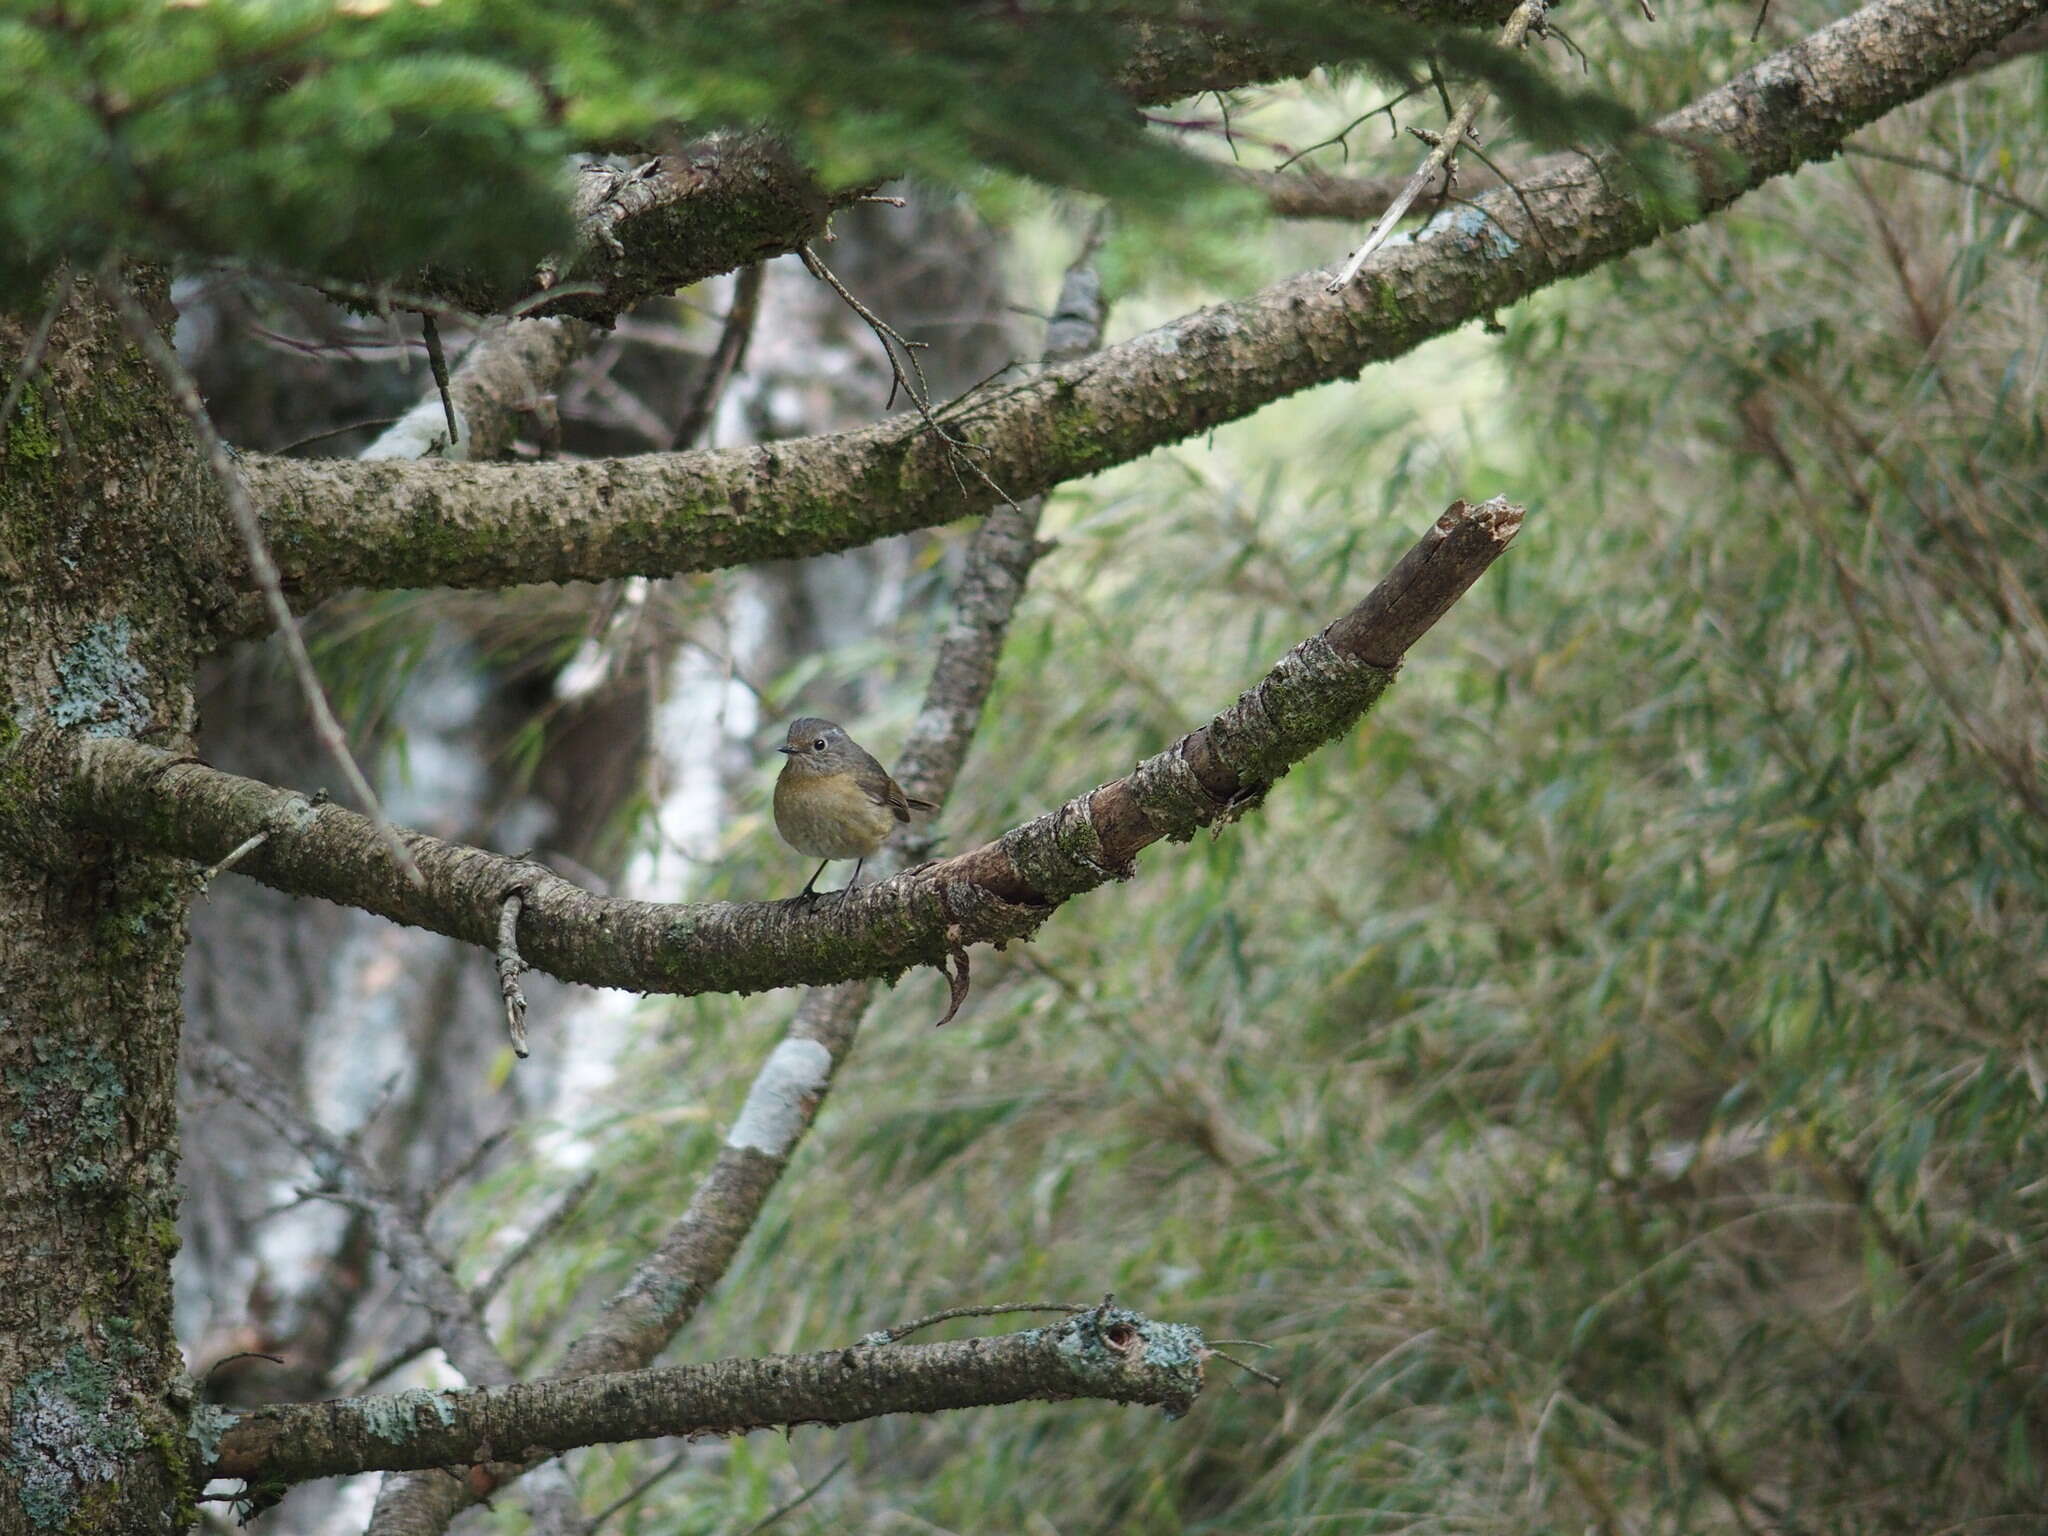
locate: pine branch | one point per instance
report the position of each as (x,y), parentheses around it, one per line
(337,525)
(998,892)
(728,200)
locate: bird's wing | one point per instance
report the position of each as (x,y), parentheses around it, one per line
(900,804)
(890,793)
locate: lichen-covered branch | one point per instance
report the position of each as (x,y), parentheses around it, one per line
(336,525)
(1106,1353)
(995,893)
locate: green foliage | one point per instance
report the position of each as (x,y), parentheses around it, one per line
(369,138)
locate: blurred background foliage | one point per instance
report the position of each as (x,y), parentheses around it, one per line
(1609,1086)
(1611,1082)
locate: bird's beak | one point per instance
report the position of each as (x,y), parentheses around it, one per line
(785,750)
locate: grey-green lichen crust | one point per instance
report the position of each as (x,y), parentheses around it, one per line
(1103,1343)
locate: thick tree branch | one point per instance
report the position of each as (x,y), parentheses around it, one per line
(1105,1353)
(334,525)
(992,894)
(1167,63)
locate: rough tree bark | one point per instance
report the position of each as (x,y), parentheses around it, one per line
(108,543)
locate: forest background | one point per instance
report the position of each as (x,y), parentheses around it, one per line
(1607,1085)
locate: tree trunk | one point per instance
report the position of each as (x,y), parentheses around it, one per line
(108,542)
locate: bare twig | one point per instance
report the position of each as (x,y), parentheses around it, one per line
(509,968)
(726,357)
(799,1501)
(437,361)
(1250,1370)
(239,852)
(1341,138)
(997,1309)
(485,1291)
(1525,18)
(185,390)
(458,1328)
(913,383)
(1948,173)
(640,1489)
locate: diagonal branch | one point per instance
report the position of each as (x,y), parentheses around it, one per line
(457,1322)
(336,525)
(998,892)
(1105,1352)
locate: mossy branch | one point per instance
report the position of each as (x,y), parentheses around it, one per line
(1000,891)
(1106,1352)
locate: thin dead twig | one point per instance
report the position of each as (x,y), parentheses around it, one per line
(1948,173)
(913,383)
(799,1501)
(903,1331)
(236,854)
(1342,137)
(1526,17)
(437,363)
(185,391)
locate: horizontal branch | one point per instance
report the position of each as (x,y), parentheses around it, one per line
(336,525)
(1105,1353)
(992,894)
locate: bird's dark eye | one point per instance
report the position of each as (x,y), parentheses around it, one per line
(818,745)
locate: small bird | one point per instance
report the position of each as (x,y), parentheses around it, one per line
(833,800)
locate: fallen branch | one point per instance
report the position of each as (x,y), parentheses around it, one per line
(998,892)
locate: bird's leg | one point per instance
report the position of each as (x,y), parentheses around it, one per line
(809,892)
(856,877)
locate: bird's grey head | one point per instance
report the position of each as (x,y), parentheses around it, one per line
(818,746)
